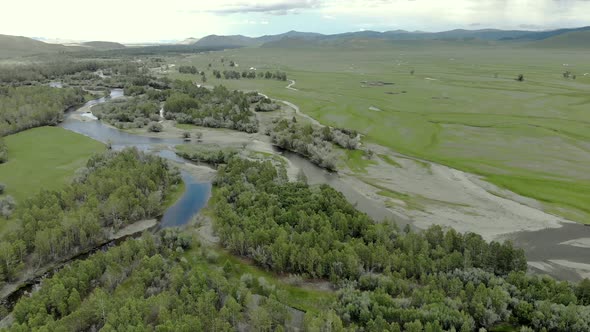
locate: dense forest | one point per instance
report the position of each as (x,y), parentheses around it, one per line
(212,155)
(124,113)
(115,189)
(216,108)
(150,284)
(74,72)
(249,74)
(390,279)
(22,108)
(313,142)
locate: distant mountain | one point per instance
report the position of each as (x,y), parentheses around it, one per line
(243,41)
(308,38)
(227,41)
(291,34)
(540,35)
(188,41)
(103,45)
(14,46)
(576,39)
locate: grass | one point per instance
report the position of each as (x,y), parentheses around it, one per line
(389,160)
(175,195)
(304,299)
(357,162)
(462,107)
(43,158)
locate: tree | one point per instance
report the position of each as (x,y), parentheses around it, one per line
(3,152)
(520,78)
(155,127)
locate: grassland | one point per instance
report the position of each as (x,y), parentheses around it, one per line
(462,107)
(43,158)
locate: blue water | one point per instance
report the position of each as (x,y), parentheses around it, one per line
(194,199)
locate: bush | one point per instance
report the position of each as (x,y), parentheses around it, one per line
(3,152)
(2,188)
(7,205)
(155,127)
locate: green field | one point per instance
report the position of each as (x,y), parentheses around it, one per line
(44,158)
(462,107)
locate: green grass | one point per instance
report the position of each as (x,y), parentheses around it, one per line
(466,118)
(175,195)
(43,158)
(304,299)
(357,162)
(389,160)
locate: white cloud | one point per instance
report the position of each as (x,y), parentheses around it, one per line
(434,14)
(140,20)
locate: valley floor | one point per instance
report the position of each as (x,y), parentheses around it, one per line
(408,190)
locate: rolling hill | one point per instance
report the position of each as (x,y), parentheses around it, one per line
(103,45)
(15,46)
(306,38)
(577,39)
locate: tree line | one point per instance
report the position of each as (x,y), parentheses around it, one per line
(249,74)
(216,108)
(313,142)
(149,284)
(115,189)
(390,280)
(23,108)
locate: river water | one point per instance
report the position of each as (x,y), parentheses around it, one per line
(197,192)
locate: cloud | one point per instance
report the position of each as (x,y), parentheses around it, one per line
(277,7)
(436,15)
(328,17)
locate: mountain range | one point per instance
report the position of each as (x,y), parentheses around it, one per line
(14,46)
(458,34)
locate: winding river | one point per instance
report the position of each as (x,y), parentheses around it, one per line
(196,193)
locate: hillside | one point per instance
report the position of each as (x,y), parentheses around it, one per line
(15,46)
(188,41)
(227,41)
(578,39)
(103,45)
(300,39)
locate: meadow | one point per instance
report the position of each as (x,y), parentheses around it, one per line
(457,104)
(43,158)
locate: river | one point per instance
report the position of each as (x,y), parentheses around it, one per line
(197,192)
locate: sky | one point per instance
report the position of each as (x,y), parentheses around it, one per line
(137,21)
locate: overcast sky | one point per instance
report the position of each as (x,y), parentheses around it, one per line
(149,20)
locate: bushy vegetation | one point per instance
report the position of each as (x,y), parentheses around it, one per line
(390,280)
(249,74)
(23,108)
(114,190)
(141,285)
(3,151)
(313,142)
(136,112)
(212,155)
(217,108)
(188,70)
